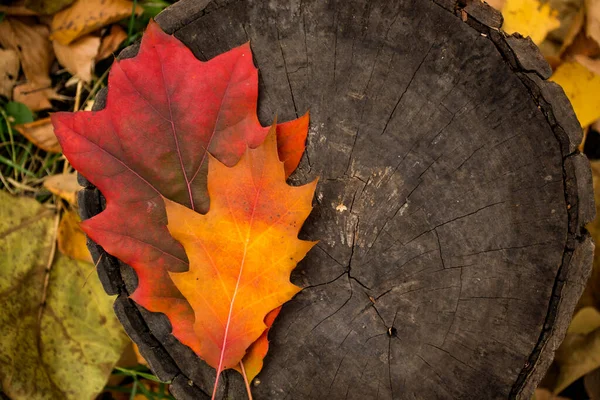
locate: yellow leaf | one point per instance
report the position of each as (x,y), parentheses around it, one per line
(581,87)
(64,185)
(67,353)
(71,239)
(85,16)
(578,355)
(529,18)
(585,321)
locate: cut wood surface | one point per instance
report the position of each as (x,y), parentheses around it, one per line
(450,206)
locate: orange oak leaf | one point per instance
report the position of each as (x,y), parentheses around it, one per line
(241,252)
(253,360)
(165,112)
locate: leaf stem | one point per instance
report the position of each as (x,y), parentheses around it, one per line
(246,381)
(214,394)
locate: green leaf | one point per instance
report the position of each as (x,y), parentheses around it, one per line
(153,7)
(70,351)
(18,113)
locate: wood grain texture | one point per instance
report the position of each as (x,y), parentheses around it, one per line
(457,263)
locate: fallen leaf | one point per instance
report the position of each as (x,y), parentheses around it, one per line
(70,353)
(18,113)
(529,18)
(31,43)
(148,143)
(571,14)
(111,42)
(254,358)
(79,56)
(592,26)
(140,359)
(64,186)
(581,87)
(71,239)
(40,133)
(35,95)
(9,71)
(85,16)
(592,65)
(592,384)
(497,4)
(17,8)
(574,28)
(578,355)
(581,45)
(591,294)
(241,252)
(543,394)
(47,7)
(584,321)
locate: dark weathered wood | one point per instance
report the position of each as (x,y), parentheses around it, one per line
(456,263)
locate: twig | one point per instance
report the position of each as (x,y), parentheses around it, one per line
(12,140)
(92,271)
(47,280)
(96,86)
(21,186)
(6,185)
(78,95)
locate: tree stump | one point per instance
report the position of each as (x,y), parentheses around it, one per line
(450,206)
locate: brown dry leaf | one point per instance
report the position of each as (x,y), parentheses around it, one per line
(111,42)
(64,186)
(543,394)
(71,239)
(79,56)
(570,14)
(591,293)
(581,87)
(40,133)
(9,71)
(582,45)
(592,384)
(85,16)
(593,19)
(36,96)
(557,42)
(497,4)
(47,7)
(31,43)
(579,353)
(17,8)
(592,65)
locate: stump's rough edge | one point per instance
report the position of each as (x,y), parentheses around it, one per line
(528,64)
